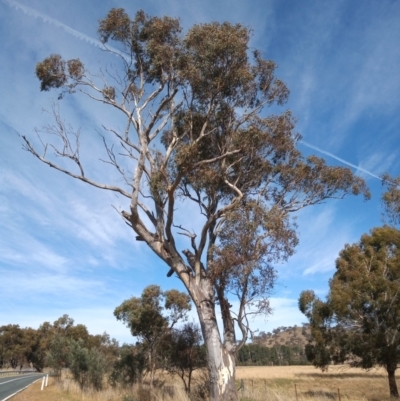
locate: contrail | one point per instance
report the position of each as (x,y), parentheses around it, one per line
(339,159)
(36,14)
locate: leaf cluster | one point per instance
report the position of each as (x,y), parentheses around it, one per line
(144,315)
(391,197)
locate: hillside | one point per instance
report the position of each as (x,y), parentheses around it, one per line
(291,336)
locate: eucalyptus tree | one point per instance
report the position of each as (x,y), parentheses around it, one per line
(151,317)
(184,353)
(12,346)
(193,107)
(360,320)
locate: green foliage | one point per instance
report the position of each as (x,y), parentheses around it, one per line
(129,366)
(12,347)
(51,72)
(144,316)
(359,322)
(183,352)
(79,363)
(57,354)
(50,345)
(278,355)
(88,366)
(391,198)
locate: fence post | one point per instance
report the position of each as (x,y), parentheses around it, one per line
(242,386)
(295,390)
(338,391)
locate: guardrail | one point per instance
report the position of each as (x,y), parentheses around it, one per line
(14,372)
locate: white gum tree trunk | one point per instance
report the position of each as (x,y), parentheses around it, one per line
(220,356)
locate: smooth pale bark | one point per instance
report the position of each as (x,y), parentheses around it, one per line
(221,362)
(220,357)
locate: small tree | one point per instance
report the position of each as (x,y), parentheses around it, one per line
(359,322)
(146,321)
(57,356)
(184,353)
(88,366)
(129,366)
(98,368)
(196,130)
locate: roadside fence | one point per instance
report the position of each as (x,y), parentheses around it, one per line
(259,390)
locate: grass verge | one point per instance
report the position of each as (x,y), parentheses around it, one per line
(260,384)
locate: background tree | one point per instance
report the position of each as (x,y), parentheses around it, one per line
(12,345)
(63,324)
(35,345)
(129,366)
(57,356)
(144,316)
(88,366)
(202,95)
(109,347)
(183,352)
(96,352)
(360,320)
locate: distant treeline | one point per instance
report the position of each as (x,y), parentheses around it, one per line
(92,359)
(278,355)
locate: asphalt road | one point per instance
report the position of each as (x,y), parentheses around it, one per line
(12,384)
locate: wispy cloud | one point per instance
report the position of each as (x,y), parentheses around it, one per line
(38,283)
(46,18)
(309,145)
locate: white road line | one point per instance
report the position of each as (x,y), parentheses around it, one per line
(22,389)
(13,380)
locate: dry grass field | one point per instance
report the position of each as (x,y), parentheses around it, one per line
(312,384)
(264,383)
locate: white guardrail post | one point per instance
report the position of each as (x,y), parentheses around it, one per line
(44,378)
(47,379)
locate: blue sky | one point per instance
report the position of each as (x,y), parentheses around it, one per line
(64,249)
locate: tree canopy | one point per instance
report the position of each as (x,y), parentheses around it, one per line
(193,107)
(360,320)
(146,320)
